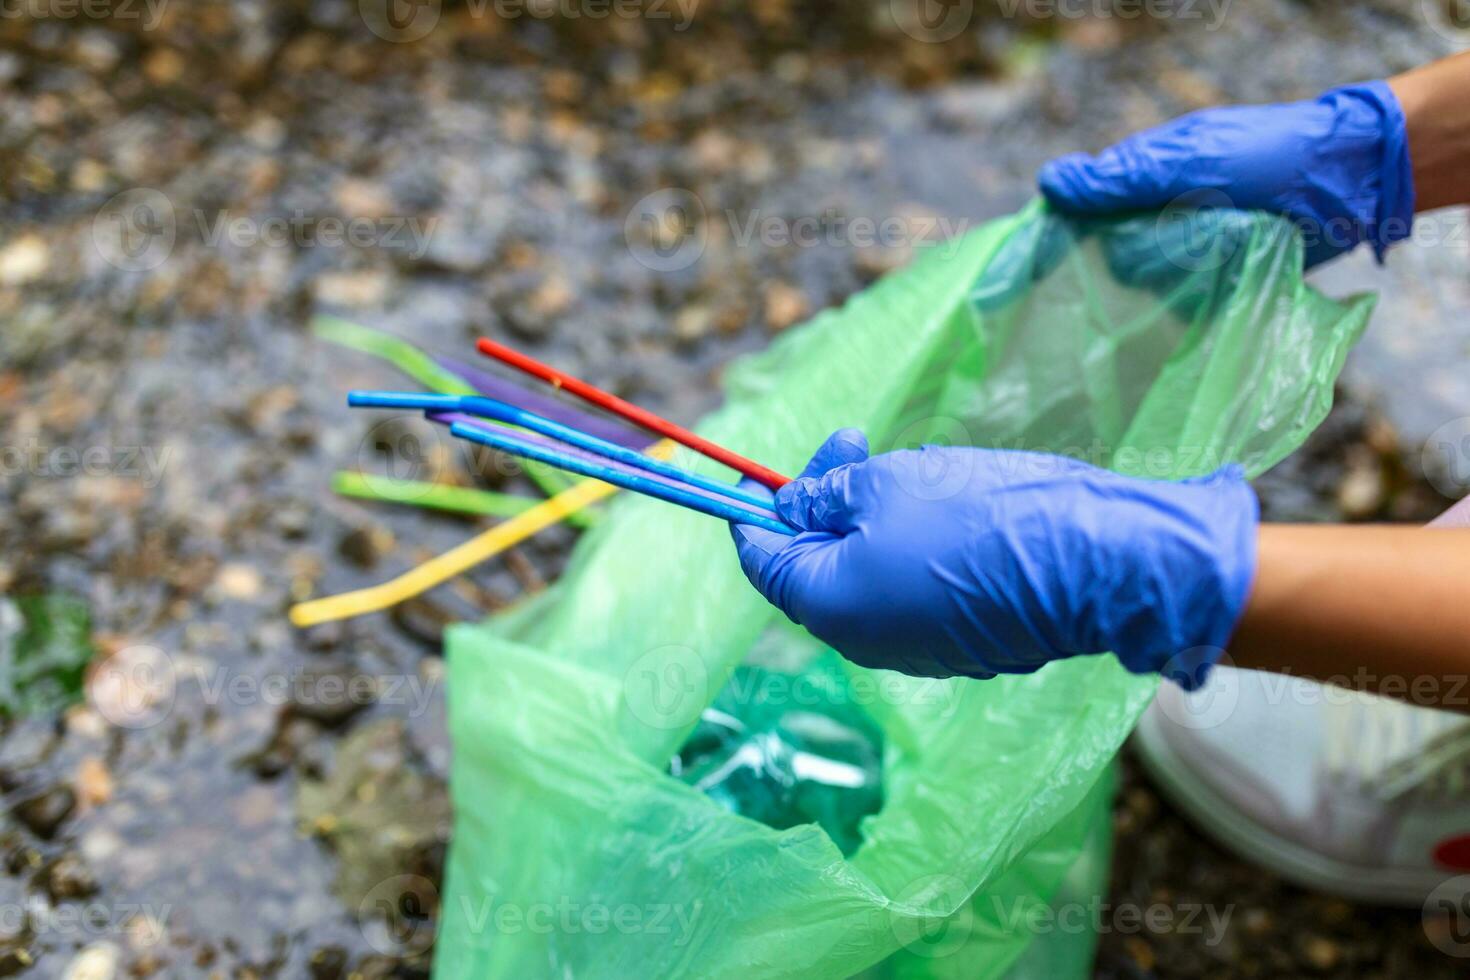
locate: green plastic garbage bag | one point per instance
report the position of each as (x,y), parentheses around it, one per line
(1155,348)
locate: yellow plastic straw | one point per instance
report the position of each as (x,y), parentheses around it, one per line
(444,567)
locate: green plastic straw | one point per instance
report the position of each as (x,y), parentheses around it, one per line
(421,367)
(400,353)
(437,496)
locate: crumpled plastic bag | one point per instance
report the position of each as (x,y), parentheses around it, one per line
(1152,345)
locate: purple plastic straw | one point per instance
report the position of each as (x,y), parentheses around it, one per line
(449,418)
(534,401)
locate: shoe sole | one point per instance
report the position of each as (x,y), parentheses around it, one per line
(1245,836)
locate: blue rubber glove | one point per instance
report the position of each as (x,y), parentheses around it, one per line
(1337,166)
(944,562)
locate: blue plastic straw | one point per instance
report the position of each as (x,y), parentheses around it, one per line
(490,408)
(517,446)
(449,418)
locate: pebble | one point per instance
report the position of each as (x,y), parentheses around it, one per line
(292,736)
(97,962)
(784,305)
(94,782)
(1319,953)
(359,198)
(68,878)
(423,619)
(24,260)
(238,581)
(363,546)
(693,323)
(1361,493)
(15,961)
(329,694)
(328,963)
(293,519)
(45,812)
(163,66)
(352,289)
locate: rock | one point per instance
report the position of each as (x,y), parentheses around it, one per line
(329,694)
(44,813)
(328,963)
(533,317)
(24,260)
(693,323)
(359,198)
(163,66)
(363,546)
(238,581)
(68,878)
(94,782)
(1319,953)
(554,296)
(352,289)
(292,519)
(1361,493)
(266,410)
(15,961)
(97,962)
(423,619)
(784,305)
(293,735)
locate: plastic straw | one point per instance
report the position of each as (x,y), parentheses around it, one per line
(631,412)
(423,369)
(441,569)
(400,353)
(501,412)
(518,445)
(761,507)
(436,496)
(492,386)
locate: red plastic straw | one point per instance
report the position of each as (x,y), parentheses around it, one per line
(631,412)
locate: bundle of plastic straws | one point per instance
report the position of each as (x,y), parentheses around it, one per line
(531,435)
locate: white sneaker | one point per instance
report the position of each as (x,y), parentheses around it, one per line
(1337,791)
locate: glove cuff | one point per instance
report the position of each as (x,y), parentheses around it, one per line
(1195,594)
(1394,217)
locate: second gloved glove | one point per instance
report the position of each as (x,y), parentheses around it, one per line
(1337,165)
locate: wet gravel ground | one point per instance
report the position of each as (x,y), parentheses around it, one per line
(178,196)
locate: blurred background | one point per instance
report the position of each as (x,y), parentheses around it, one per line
(637,191)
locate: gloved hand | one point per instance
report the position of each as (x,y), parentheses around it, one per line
(959,561)
(1338,166)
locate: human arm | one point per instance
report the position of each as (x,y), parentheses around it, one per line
(1436,104)
(1376,608)
(974,562)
